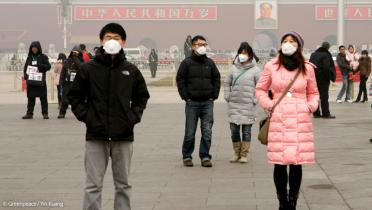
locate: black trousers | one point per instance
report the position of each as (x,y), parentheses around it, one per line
(64,105)
(281,179)
(323,88)
(59,91)
(362,88)
(153,69)
(31,105)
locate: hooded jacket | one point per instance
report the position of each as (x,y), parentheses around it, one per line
(71,67)
(109,96)
(42,63)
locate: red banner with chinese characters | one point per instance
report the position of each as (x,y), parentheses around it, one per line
(351,12)
(124,12)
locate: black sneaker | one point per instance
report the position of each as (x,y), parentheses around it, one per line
(370,140)
(328,116)
(28,116)
(61,116)
(206,163)
(317,116)
(188,163)
(45,116)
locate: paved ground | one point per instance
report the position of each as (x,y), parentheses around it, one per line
(42,161)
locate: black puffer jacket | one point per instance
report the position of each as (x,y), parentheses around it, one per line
(198,79)
(109,96)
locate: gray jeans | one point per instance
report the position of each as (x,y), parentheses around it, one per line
(346,87)
(97,154)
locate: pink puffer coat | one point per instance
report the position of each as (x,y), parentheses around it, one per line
(291,139)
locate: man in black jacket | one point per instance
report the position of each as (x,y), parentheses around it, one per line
(34,71)
(109,95)
(198,82)
(324,72)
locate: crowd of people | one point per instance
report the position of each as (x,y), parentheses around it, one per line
(109,95)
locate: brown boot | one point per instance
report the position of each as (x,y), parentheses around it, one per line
(237,148)
(244,152)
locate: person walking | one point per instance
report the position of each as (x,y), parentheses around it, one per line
(239,93)
(198,83)
(364,67)
(35,68)
(345,68)
(325,72)
(290,137)
(109,95)
(187,47)
(153,62)
(57,75)
(69,71)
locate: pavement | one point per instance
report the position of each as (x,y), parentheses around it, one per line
(41,162)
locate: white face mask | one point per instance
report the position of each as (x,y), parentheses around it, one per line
(201,50)
(288,49)
(243,58)
(112,47)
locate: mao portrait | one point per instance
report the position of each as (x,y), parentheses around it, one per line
(266,14)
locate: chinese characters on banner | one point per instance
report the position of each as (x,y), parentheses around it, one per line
(350,12)
(121,12)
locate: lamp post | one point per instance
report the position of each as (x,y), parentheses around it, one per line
(340,22)
(64,4)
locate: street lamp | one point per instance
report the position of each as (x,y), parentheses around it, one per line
(63,15)
(340,23)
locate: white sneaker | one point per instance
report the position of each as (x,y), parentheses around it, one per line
(349,101)
(339,101)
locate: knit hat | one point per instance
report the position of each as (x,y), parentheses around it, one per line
(297,36)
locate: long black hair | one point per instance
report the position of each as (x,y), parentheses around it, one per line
(244,46)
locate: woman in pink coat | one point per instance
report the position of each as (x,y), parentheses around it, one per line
(57,70)
(291,136)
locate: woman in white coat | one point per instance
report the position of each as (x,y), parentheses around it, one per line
(239,93)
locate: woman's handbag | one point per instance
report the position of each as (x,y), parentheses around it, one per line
(263,133)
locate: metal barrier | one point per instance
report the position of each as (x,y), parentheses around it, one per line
(12,82)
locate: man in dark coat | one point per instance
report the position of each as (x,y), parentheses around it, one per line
(153,63)
(198,82)
(109,95)
(68,74)
(36,66)
(187,47)
(324,72)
